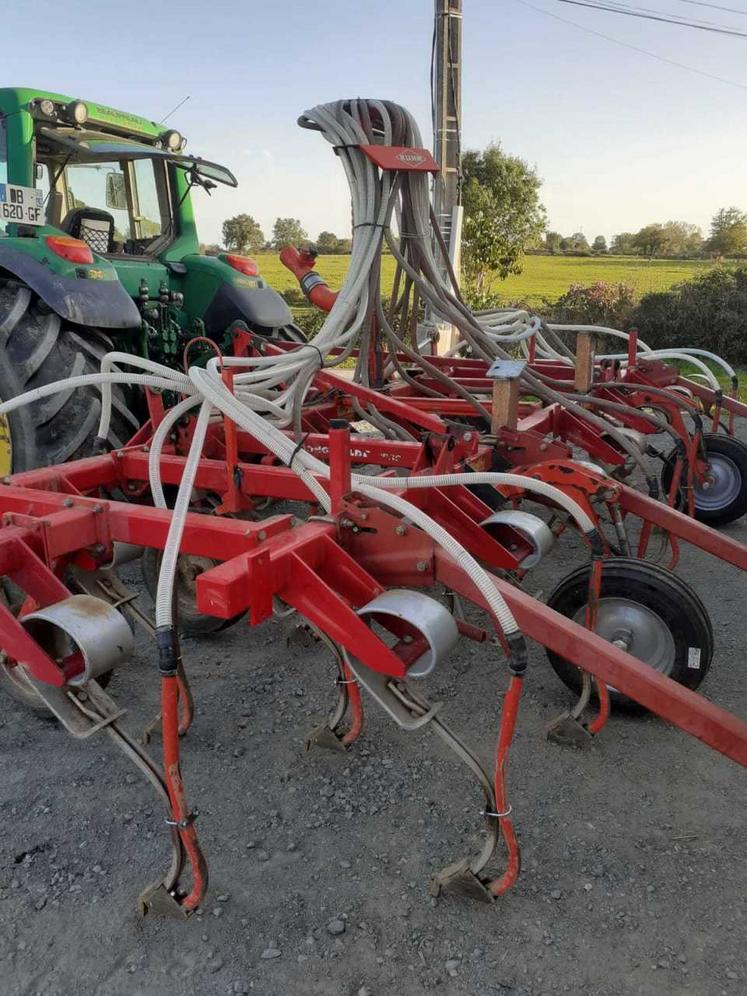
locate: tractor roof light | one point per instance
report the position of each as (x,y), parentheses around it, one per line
(76,112)
(173,140)
(244,264)
(48,109)
(73,250)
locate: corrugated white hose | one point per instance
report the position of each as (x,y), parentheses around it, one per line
(279,444)
(84,380)
(216,392)
(165,590)
(159,437)
(485,584)
(687,354)
(498,479)
(111,361)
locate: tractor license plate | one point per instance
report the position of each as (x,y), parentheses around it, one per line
(24,205)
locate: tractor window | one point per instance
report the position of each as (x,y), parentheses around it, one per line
(86,185)
(3,160)
(147,215)
(132,193)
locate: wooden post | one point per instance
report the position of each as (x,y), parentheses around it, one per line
(584,362)
(506,377)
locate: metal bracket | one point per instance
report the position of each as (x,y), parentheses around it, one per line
(69,706)
(377,685)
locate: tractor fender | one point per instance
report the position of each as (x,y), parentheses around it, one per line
(261,307)
(102,303)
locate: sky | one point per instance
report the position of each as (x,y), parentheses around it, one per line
(619,138)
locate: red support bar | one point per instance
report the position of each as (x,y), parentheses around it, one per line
(675,703)
(340,481)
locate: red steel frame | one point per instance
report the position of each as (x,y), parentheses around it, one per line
(57,517)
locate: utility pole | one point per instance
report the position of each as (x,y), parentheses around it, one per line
(447,103)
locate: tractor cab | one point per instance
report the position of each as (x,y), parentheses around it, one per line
(99,250)
(115,193)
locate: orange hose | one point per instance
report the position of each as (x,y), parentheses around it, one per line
(506,734)
(356,706)
(175,786)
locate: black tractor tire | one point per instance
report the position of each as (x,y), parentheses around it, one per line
(726,500)
(670,627)
(36,348)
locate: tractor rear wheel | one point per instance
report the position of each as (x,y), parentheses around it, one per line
(36,348)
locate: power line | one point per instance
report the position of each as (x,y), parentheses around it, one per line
(624,7)
(656,17)
(715,6)
(633,48)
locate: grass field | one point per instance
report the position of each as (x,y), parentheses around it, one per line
(547,277)
(544,277)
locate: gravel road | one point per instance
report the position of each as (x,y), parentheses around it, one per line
(633,879)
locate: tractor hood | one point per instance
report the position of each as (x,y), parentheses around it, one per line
(92,147)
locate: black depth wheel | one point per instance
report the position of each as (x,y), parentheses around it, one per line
(723,497)
(645,610)
(37,348)
(188,569)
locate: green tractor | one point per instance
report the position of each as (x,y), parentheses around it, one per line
(99,250)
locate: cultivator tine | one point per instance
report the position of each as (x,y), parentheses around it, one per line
(412,711)
(568,730)
(88,709)
(329,734)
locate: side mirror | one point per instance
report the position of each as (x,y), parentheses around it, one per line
(116,191)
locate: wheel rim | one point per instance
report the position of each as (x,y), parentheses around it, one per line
(19,679)
(636,629)
(724,485)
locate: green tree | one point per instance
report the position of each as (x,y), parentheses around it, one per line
(287,232)
(242,234)
(552,241)
(575,243)
(623,244)
(728,233)
(650,240)
(327,242)
(681,239)
(599,244)
(503,215)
